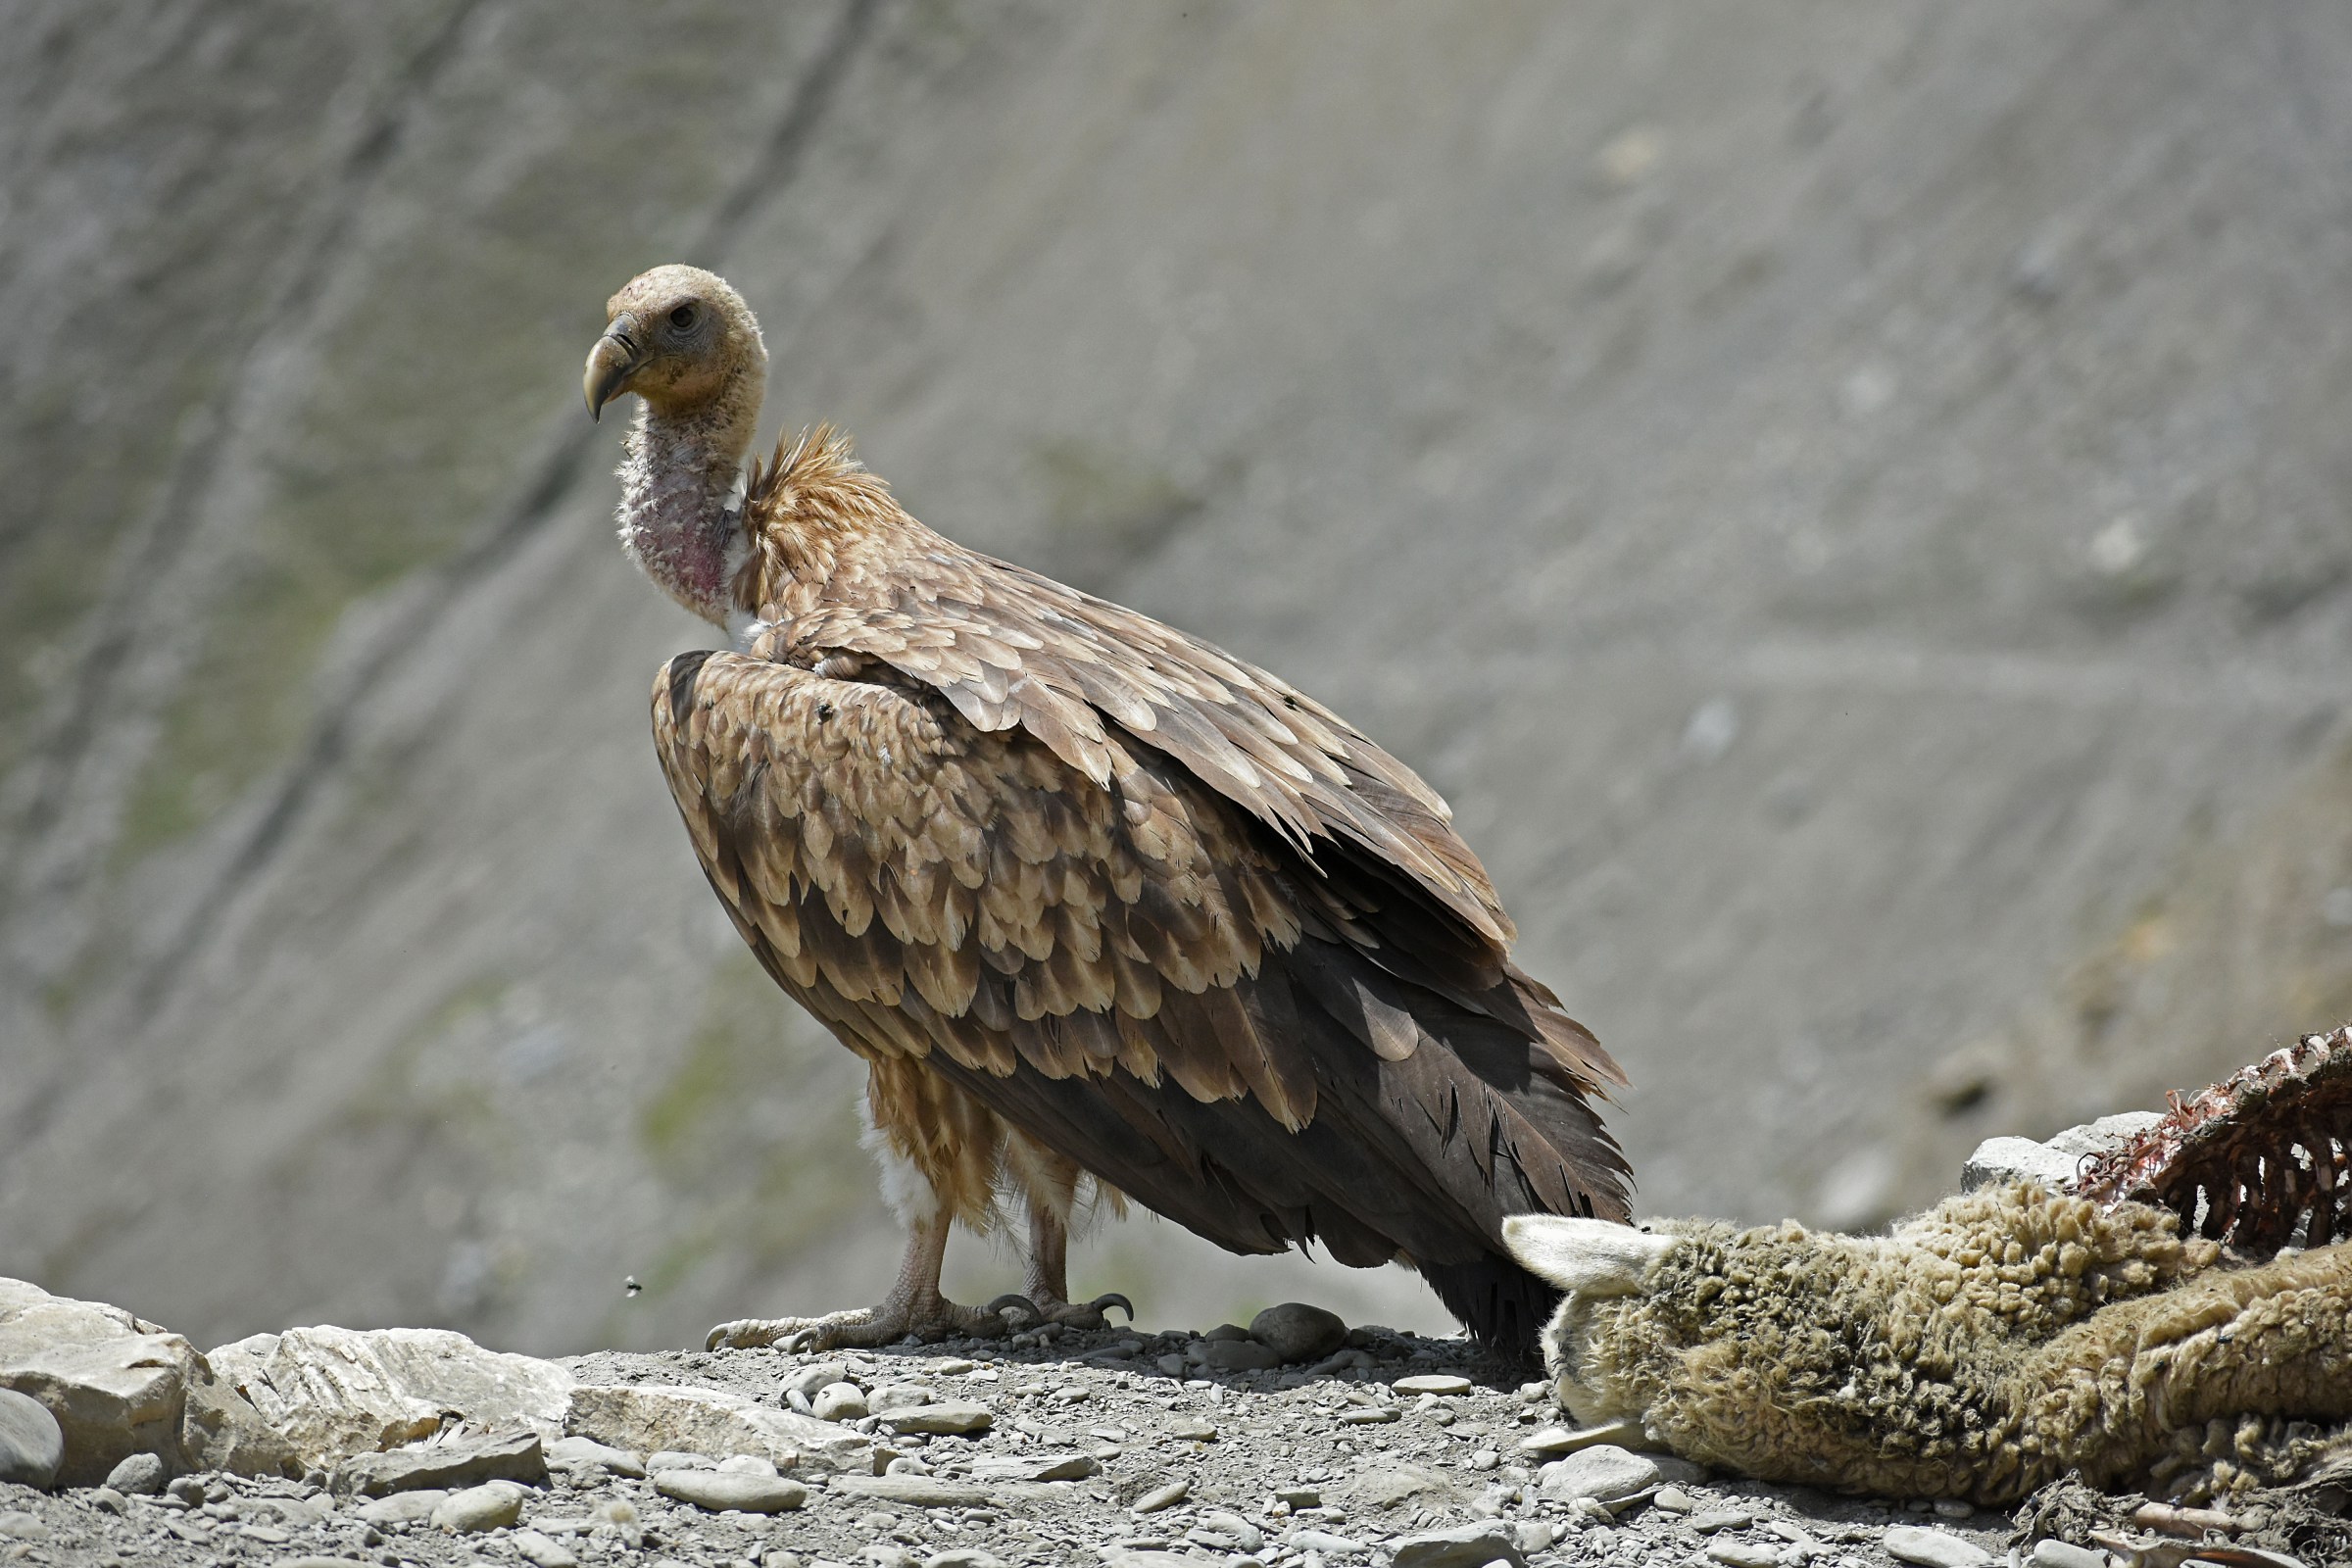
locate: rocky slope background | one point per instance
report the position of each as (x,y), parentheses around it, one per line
(1851,504)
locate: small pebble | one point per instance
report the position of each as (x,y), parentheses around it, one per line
(138,1475)
(1167,1497)
(1674,1500)
(1714,1519)
(1932,1549)
(838,1402)
(475,1509)
(1446,1383)
(1742,1555)
(2052,1552)
(542,1551)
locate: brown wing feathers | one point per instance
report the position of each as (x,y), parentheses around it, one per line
(931,891)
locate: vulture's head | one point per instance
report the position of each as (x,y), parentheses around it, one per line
(680,339)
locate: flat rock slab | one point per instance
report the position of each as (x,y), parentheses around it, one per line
(722,1490)
(334,1393)
(1932,1549)
(517,1457)
(651,1418)
(1744,1554)
(1446,1383)
(919,1491)
(948,1418)
(31,1443)
(1472,1546)
(1036,1467)
(1555,1441)
(574,1452)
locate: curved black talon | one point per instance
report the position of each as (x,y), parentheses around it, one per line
(1006,1305)
(1111,1298)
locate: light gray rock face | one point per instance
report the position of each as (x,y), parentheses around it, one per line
(2057,1161)
(118,1385)
(649,1419)
(31,1443)
(1297,1330)
(334,1393)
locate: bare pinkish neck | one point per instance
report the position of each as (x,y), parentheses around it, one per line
(680,518)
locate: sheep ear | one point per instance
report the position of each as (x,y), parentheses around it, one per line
(1589,1256)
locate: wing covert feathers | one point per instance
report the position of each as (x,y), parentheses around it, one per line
(1156,908)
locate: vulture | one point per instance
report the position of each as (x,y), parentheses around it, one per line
(1108,912)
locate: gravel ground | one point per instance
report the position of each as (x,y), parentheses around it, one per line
(1333,1464)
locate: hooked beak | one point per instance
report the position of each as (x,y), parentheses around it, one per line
(609,362)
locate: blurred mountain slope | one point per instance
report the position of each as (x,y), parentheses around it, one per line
(1851,504)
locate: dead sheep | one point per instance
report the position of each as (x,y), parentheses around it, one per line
(1986,1346)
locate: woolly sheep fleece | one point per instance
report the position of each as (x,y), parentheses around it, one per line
(1979,1351)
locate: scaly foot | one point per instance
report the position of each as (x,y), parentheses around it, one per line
(866,1328)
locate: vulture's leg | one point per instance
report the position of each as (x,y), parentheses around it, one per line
(939,1153)
(1048,1182)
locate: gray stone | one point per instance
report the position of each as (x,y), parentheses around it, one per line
(888,1397)
(1036,1467)
(31,1443)
(1222,1528)
(542,1551)
(1231,1355)
(18,1525)
(838,1402)
(576,1453)
(962,1557)
(1744,1554)
(334,1393)
(117,1385)
(1331,1543)
(493,1505)
(514,1456)
(1932,1549)
(1554,1441)
(1604,1473)
(2052,1552)
(951,1417)
(402,1507)
(317,1561)
(1674,1500)
(662,1459)
(1471,1545)
(1399,1488)
(1163,1497)
(1191,1429)
(648,1418)
(1368,1415)
(140,1475)
(1714,1519)
(722,1489)
(1441,1383)
(2056,1162)
(816,1375)
(920,1492)
(1298,1331)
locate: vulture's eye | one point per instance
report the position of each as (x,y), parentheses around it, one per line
(682,317)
